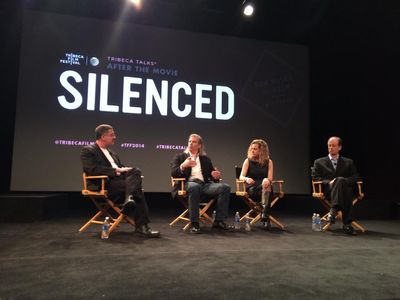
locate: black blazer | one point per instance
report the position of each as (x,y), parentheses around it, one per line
(206,169)
(94,162)
(324,171)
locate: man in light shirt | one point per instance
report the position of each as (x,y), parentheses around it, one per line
(339,176)
(124,184)
(202,179)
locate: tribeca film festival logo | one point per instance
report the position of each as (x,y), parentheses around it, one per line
(74,59)
(138,65)
(117,63)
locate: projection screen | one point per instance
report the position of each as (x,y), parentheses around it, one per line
(155,86)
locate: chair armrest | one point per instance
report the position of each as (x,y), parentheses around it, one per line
(360,194)
(102,191)
(96,177)
(317,189)
(240,187)
(280,187)
(181,182)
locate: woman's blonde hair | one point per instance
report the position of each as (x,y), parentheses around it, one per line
(263,158)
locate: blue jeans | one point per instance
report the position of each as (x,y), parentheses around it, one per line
(197,191)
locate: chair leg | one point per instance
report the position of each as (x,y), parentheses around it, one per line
(326,226)
(248,213)
(129,220)
(124,217)
(358,226)
(256,219)
(325,217)
(253,216)
(203,212)
(91,221)
(354,223)
(116,222)
(276,222)
(186,226)
(257,211)
(206,218)
(203,216)
(182,216)
(106,208)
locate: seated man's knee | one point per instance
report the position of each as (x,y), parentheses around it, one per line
(225,188)
(193,187)
(340,180)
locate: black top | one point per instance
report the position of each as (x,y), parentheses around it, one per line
(257,171)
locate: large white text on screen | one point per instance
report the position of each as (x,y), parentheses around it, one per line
(223,95)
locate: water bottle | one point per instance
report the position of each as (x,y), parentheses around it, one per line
(247,224)
(313,222)
(214,215)
(318,223)
(236,223)
(105,229)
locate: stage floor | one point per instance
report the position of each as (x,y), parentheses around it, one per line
(51,260)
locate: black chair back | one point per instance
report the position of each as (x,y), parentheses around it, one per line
(238,170)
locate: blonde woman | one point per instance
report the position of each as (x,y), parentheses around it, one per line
(257,172)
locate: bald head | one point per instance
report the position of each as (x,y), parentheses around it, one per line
(334,145)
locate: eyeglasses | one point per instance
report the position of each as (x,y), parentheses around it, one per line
(109,134)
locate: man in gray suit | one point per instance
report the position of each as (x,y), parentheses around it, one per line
(124,183)
(339,176)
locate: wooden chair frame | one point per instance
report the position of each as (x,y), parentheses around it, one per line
(256,209)
(318,194)
(182,197)
(106,207)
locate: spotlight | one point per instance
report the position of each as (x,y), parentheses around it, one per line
(136,3)
(248,8)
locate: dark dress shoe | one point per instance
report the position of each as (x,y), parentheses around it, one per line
(348,229)
(331,218)
(267,224)
(221,225)
(145,231)
(195,227)
(128,205)
(266,221)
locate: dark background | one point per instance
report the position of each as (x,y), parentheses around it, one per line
(354,51)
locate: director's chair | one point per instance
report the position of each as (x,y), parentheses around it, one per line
(182,196)
(319,195)
(256,208)
(106,207)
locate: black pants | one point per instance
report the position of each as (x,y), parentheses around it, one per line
(130,183)
(340,196)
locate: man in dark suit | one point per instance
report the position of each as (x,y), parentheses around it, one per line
(124,184)
(202,179)
(339,176)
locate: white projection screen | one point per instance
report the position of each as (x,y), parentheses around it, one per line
(155,86)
